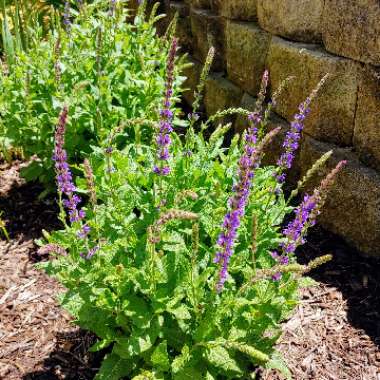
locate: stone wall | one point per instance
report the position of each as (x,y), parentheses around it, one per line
(305,39)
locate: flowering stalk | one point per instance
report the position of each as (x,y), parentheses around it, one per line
(305,216)
(66,16)
(248,162)
(64,176)
(57,66)
(293,136)
(90,181)
(48,249)
(91,252)
(154,231)
(163,140)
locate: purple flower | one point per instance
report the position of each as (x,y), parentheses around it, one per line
(82,234)
(305,216)
(292,139)
(64,176)
(66,16)
(163,140)
(90,253)
(247,163)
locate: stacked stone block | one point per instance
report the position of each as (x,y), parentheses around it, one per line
(305,39)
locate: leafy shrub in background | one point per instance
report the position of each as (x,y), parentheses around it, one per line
(179,263)
(108,70)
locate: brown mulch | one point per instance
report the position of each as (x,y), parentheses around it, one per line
(333,335)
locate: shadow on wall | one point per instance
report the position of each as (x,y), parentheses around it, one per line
(357,277)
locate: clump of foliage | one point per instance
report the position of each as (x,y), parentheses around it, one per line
(109,70)
(179,263)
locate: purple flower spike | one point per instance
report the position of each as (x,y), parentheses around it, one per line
(247,163)
(64,176)
(82,234)
(305,216)
(163,140)
(90,253)
(66,16)
(292,139)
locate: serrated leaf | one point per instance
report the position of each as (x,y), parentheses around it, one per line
(220,357)
(100,345)
(114,368)
(160,358)
(139,342)
(138,310)
(277,362)
(307,282)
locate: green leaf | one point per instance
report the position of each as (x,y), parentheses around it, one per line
(221,358)
(307,282)
(185,367)
(114,368)
(160,358)
(100,345)
(138,310)
(277,362)
(139,342)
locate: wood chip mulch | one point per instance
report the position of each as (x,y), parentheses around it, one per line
(333,335)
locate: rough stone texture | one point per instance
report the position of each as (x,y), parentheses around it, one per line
(367,123)
(333,111)
(182,8)
(193,74)
(183,31)
(351,28)
(353,204)
(246,50)
(221,94)
(247,102)
(212,5)
(239,9)
(208,30)
(300,20)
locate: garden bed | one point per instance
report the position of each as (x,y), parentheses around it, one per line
(334,334)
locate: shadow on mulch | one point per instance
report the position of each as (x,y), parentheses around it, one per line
(357,277)
(70,360)
(26,216)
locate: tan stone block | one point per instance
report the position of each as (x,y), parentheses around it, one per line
(245,10)
(213,5)
(333,111)
(353,203)
(367,121)
(208,30)
(183,31)
(248,102)
(192,73)
(221,94)
(246,50)
(300,20)
(182,8)
(351,28)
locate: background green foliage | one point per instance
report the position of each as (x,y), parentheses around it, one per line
(108,71)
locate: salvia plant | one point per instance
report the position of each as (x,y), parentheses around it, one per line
(179,260)
(109,70)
